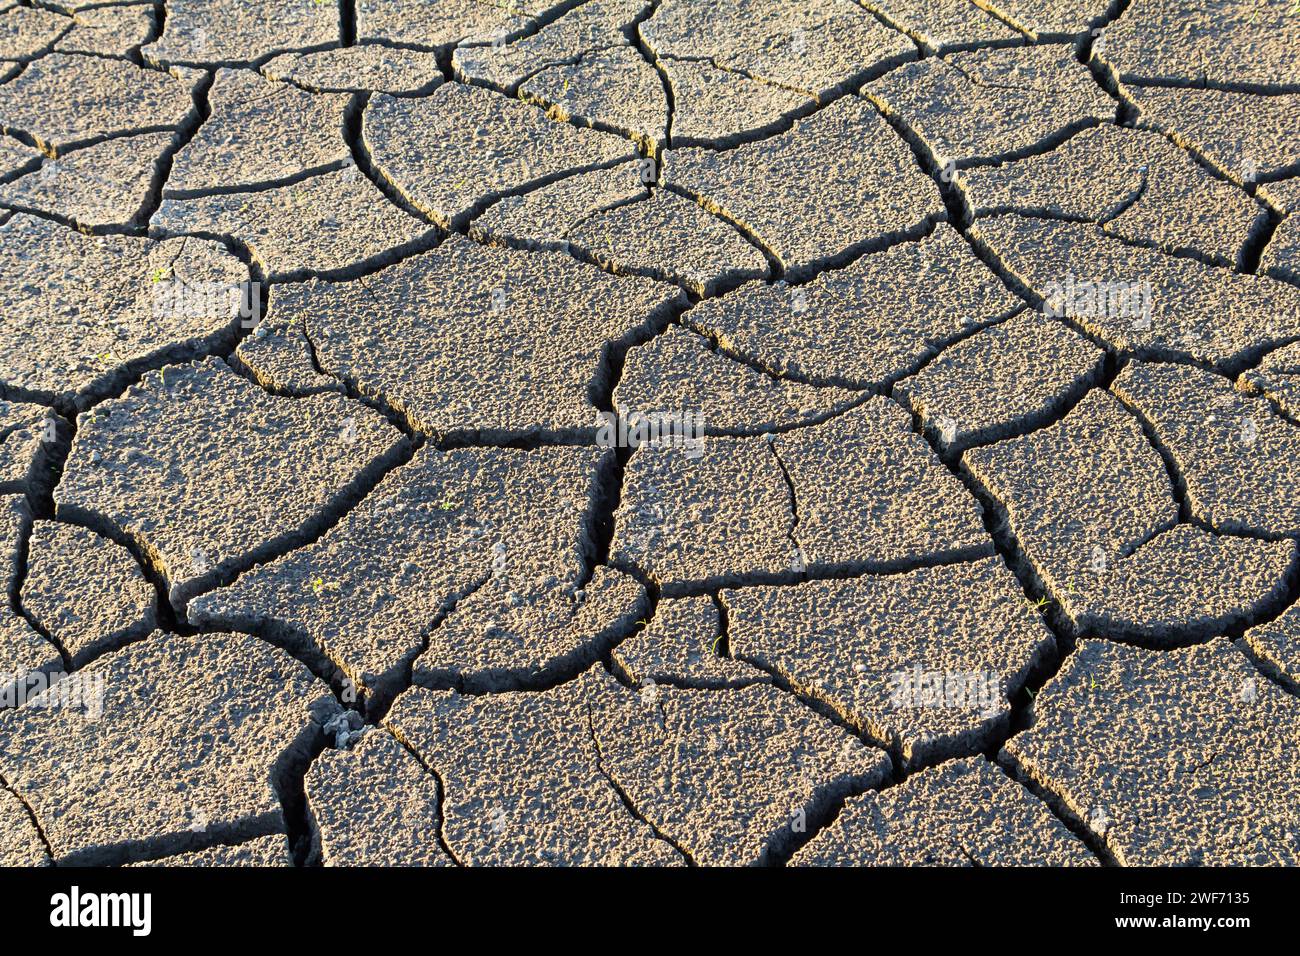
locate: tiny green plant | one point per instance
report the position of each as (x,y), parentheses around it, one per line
(1040,605)
(159,275)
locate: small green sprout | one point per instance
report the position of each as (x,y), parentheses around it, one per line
(1040,605)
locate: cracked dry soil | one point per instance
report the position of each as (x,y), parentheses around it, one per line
(326,333)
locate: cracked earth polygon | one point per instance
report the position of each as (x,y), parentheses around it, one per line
(649,432)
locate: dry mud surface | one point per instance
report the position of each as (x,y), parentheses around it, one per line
(978,545)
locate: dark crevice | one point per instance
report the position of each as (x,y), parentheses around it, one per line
(1059,809)
(882,386)
(288,778)
(826,710)
(1099,375)
(1124,205)
(645,141)
(998,525)
(31,815)
(112,385)
(394,415)
(1269,606)
(811,421)
(181,591)
(722,643)
(167,619)
(356,270)
(19,172)
(824,807)
(348,22)
(256,64)
(185,134)
(1005,18)
(1261,234)
(380,693)
(979,736)
(1188,253)
(614,667)
(598,520)
(1214,169)
(511,89)
(354,136)
(626,800)
(815,572)
(159,24)
(1255,89)
(1090,52)
(71,223)
(536,23)
(928,162)
(796,554)
(588,216)
(776,267)
(885,20)
(27,139)
(1040,147)
(996,519)
(160,847)
(16,581)
(633,33)
(694,288)
(1173,471)
(258,186)
(585,255)
(781,124)
(1229,367)
(1269,670)
(557,671)
(460,221)
(287,638)
(983,84)
(441,790)
(613,355)
(927,49)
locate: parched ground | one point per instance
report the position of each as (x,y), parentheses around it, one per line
(321,548)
